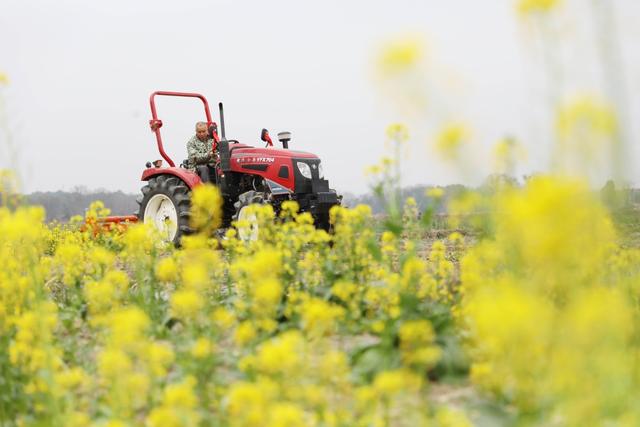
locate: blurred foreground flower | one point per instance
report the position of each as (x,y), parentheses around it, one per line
(506,154)
(397,132)
(434,192)
(401,55)
(4,78)
(451,140)
(586,114)
(9,188)
(401,74)
(587,134)
(526,7)
(206,205)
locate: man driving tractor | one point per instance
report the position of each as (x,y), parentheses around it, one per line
(200,151)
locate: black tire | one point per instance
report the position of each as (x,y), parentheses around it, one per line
(177,192)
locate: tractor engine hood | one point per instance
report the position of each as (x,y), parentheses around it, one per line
(244,151)
(279,167)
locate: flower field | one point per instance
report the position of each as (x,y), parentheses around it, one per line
(523,309)
(538,315)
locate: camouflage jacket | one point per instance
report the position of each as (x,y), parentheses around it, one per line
(199,152)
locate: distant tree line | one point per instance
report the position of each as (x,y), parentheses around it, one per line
(62,205)
(417,192)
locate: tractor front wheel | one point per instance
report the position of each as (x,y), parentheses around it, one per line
(165,204)
(246,221)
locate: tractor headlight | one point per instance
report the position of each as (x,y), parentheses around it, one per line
(320,171)
(304,169)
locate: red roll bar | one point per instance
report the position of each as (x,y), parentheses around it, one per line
(156,123)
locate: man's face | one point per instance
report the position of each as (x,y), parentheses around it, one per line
(201,133)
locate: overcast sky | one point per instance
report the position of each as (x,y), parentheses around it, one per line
(81,73)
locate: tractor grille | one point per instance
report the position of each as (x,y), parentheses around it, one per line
(306,185)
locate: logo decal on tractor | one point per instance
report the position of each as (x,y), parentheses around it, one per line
(255,160)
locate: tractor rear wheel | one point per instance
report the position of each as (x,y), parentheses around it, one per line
(165,202)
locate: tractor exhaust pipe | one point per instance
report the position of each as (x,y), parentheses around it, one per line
(221,120)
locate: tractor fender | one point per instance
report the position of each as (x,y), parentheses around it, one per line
(191,179)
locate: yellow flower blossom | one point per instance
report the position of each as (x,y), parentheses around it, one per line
(249,402)
(128,326)
(223,318)
(202,348)
(526,7)
(390,383)
(266,294)
(167,270)
(416,343)
(287,415)
(113,363)
(206,208)
(451,140)
(178,407)
(280,355)
(435,192)
(319,317)
(186,304)
(195,276)
(159,356)
(402,55)
(397,132)
(245,333)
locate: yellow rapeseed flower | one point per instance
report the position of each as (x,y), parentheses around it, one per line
(245,333)
(345,290)
(588,114)
(159,356)
(401,55)
(195,275)
(390,383)
(319,317)
(287,415)
(281,354)
(128,327)
(167,270)
(206,208)
(186,304)
(448,417)
(223,318)
(526,7)
(181,394)
(451,140)
(202,348)
(72,379)
(434,192)
(416,343)
(587,135)
(248,403)
(113,362)
(397,132)
(266,294)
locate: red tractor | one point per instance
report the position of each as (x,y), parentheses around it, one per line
(244,174)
